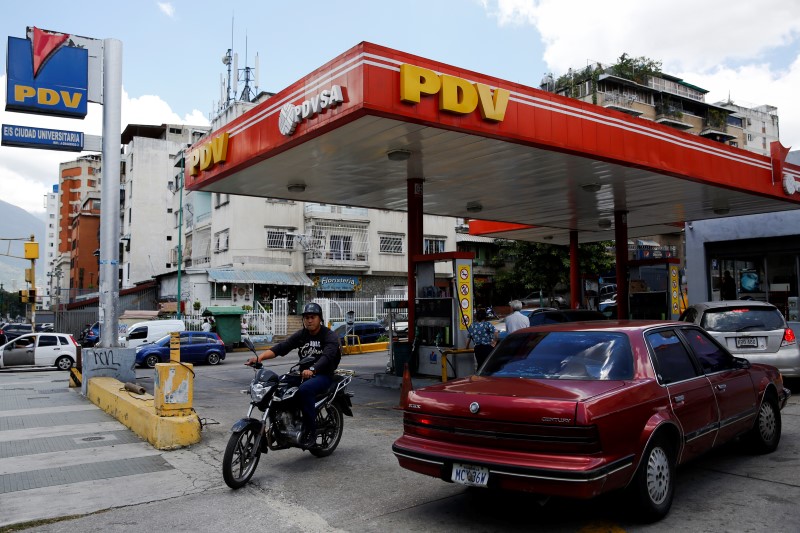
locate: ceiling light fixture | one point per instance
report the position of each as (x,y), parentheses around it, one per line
(604,223)
(297,187)
(398,155)
(474,207)
(591,187)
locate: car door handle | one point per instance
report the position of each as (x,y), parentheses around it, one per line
(678,399)
(721,387)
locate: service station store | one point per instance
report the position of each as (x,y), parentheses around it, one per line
(382,129)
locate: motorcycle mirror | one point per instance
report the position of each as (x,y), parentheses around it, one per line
(247,342)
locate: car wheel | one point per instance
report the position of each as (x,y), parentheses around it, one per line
(766,432)
(64,362)
(213,358)
(151,361)
(654,482)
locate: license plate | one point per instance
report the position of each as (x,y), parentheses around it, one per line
(746,342)
(474,476)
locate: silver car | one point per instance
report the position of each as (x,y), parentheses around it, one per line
(754,330)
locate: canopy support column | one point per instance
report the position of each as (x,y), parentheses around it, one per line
(415,244)
(621,246)
(574,271)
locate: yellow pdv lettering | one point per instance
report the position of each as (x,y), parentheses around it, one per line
(457,95)
(492,106)
(416,81)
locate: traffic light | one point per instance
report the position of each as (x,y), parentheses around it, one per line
(23,296)
(32,295)
(29,275)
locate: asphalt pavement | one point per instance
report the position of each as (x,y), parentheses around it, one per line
(65,462)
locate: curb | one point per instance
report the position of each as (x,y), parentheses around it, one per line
(137,412)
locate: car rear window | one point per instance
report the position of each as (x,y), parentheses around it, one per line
(743,318)
(588,355)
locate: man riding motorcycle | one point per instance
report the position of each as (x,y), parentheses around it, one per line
(322,343)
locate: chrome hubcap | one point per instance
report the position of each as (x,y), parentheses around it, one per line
(657,475)
(766,422)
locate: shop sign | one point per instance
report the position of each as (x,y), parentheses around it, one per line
(46,77)
(456,95)
(28,137)
(291,115)
(208,155)
(338,283)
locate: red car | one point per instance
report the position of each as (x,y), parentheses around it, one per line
(584,408)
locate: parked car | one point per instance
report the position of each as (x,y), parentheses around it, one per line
(13,330)
(45,327)
(90,335)
(534,299)
(555,316)
(40,349)
(366,332)
(196,347)
(751,329)
(581,409)
(151,331)
(607,290)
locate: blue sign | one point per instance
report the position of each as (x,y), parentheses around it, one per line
(27,137)
(338,283)
(59,87)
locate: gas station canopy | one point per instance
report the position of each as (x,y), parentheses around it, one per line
(355,130)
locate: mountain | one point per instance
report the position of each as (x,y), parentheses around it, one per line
(16,223)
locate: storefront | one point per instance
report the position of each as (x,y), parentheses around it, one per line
(763,259)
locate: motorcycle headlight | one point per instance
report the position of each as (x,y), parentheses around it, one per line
(258,391)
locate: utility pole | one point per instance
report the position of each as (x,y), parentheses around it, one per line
(32,253)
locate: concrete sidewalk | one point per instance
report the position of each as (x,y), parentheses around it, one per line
(53,442)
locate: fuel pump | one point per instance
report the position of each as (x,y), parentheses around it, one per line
(443,315)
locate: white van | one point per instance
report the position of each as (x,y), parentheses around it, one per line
(150,331)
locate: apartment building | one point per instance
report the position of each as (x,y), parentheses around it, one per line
(48,253)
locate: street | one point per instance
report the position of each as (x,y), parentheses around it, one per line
(361,488)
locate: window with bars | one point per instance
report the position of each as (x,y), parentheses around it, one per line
(221,198)
(221,241)
(391,244)
(279,239)
(433,245)
(341,247)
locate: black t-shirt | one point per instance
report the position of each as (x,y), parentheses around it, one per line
(324,346)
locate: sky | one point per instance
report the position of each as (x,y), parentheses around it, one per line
(172,52)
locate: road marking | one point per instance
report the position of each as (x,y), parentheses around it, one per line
(48,410)
(57,431)
(44,461)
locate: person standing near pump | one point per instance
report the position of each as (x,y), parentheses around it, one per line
(321,343)
(516,320)
(484,335)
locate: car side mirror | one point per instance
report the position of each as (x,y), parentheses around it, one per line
(741,362)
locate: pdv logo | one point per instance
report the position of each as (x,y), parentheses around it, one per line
(46,77)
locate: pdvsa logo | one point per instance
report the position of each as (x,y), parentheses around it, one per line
(46,76)
(208,155)
(291,115)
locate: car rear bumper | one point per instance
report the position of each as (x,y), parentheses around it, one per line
(785,394)
(590,479)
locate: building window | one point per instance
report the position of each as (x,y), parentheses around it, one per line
(221,241)
(433,245)
(341,247)
(391,244)
(279,239)
(221,198)
(169,237)
(177,131)
(169,210)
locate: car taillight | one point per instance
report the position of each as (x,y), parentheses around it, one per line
(219,339)
(788,337)
(73,340)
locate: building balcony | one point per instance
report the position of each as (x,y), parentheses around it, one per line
(348,260)
(335,212)
(618,102)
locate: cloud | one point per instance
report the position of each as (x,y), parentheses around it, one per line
(746,48)
(27,174)
(166,8)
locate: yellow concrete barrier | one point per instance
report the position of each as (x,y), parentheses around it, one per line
(363,348)
(138,413)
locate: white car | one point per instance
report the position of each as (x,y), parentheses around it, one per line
(40,349)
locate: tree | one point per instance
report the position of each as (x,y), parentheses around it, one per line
(637,69)
(543,267)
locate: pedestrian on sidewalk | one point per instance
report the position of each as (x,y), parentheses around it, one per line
(516,320)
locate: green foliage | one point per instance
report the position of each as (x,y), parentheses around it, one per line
(717,119)
(197,305)
(637,69)
(544,266)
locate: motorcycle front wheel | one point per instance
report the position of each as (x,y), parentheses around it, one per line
(330,426)
(241,457)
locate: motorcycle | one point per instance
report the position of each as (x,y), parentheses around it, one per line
(280,426)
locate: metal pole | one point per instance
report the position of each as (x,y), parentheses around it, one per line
(109,193)
(180,235)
